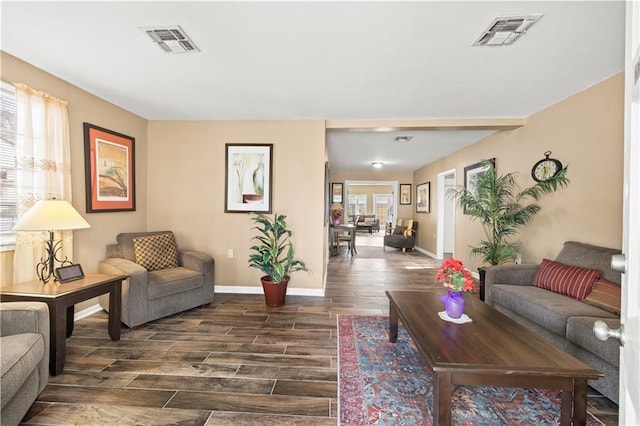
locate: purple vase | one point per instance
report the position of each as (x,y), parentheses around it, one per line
(453,303)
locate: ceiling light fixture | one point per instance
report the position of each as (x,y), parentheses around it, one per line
(377,164)
(403,139)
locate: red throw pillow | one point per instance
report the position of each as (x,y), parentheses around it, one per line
(572,281)
(605,295)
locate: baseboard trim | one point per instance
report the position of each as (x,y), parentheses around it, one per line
(423,251)
(87,312)
(218,289)
(258,290)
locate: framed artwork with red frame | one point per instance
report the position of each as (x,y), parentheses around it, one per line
(109,166)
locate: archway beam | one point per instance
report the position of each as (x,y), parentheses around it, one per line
(448,124)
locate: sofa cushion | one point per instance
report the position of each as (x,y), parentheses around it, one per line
(170,281)
(587,256)
(572,281)
(543,307)
(580,332)
(155,252)
(605,295)
(21,354)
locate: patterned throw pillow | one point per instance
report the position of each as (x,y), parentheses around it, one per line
(399,230)
(605,295)
(572,281)
(155,252)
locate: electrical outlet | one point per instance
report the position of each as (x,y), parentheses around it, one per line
(230,253)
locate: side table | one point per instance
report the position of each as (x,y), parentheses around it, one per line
(61,299)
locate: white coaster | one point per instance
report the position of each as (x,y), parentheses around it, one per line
(462,320)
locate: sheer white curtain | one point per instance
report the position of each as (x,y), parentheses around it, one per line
(43,171)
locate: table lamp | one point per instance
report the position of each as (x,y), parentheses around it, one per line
(51,215)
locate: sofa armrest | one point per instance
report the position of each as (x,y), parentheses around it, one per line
(508,274)
(29,317)
(197,261)
(24,317)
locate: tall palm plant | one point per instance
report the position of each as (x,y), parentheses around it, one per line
(501,207)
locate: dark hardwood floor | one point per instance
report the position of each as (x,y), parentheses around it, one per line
(235,362)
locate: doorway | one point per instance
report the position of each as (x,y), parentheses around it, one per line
(371,194)
(445,233)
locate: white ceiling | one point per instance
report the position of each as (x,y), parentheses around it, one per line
(325,60)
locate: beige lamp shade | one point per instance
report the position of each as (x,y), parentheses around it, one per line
(51,215)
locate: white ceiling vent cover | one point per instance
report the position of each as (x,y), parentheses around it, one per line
(506,30)
(171,39)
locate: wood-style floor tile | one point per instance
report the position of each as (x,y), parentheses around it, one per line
(225,418)
(248,403)
(122,415)
(103,395)
(305,388)
(183,369)
(203,384)
(291,373)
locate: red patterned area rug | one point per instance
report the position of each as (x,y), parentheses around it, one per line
(382,383)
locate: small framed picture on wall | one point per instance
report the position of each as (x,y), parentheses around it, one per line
(423,193)
(405,193)
(336,192)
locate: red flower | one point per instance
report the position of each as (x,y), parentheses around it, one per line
(453,276)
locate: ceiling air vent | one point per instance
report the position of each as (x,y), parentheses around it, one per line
(506,30)
(171,39)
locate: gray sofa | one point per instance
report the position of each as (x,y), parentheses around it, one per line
(564,321)
(24,343)
(163,280)
(368,222)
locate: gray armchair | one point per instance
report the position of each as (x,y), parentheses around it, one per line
(162,279)
(24,342)
(398,240)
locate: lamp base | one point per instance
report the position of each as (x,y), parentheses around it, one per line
(45,268)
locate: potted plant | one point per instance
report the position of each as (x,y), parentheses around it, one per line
(274,256)
(502,207)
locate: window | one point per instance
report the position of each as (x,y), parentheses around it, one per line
(357,204)
(383,207)
(7,166)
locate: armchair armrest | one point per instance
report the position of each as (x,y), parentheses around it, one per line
(508,274)
(119,266)
(197,261)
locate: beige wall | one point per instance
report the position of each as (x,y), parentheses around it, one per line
(404,211)
(89,244)
(584,131)
(186,191)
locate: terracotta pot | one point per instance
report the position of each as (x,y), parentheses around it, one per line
(274,294)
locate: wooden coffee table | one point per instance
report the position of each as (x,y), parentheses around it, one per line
(61,299)
(493,350)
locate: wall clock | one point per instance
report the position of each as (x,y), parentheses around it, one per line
(546,168)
